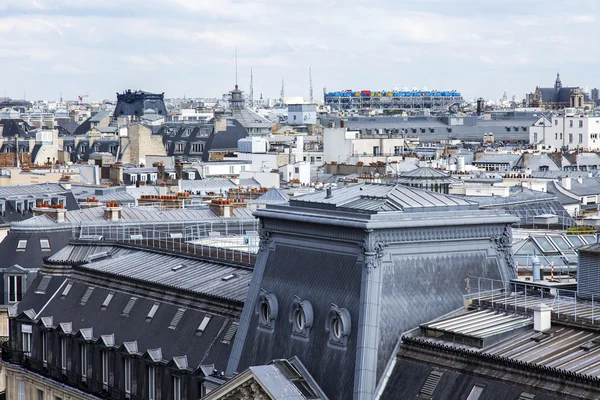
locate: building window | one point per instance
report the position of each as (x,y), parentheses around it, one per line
(197,147)
(375,151)
(26,338)
(105,369)
(127,375)
(15,288)
(176,388)
(83,350)
(570,123)
(475,392)
(580,123)
(179,147)
(151,382)
(40,394)
(581,138)
(570,138)
(338,325)
(63,354)
(143,177)
(267,308)
(555,122)
(45,244)
(21,389)
(167,144)
(301,317)
(555,135)
(22,245)
(232,169)
(44,340)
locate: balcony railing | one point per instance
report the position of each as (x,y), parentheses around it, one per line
(76,381)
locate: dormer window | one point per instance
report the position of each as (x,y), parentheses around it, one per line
(301,318)
(267,309)
(338,326)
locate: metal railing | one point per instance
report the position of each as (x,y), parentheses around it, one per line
(523,298)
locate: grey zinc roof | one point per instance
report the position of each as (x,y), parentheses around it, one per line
(99,116)
(563,199)
(425,173)
(493,158)
(202,277)
(539,160)
(132,214)
(382,198)
(587,187)
(272,196)
(30,190)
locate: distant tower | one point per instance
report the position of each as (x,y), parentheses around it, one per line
(282,90)
(504,98)
(557,83)
(310,83)
(251,89)
(61,97)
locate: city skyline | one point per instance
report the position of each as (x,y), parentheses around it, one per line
(185,47)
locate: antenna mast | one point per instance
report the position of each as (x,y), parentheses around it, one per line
(310,83)
(236,84)
(251,90)
(282,90)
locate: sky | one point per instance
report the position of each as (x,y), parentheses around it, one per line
(188,47)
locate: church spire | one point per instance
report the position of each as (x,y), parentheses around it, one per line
(558,83)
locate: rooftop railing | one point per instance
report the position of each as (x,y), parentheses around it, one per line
(521,297)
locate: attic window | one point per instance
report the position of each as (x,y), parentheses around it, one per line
(45,244)
(339,326)
(67,290)
(41,289)
(86,296)
(107,301)
(526,396)
(152,312)
(475,392)
(203,325)
(22,245)
(177,318)
(229,277)
(228,337)
(128,307)
(177,267)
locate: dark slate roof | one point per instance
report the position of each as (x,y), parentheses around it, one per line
(67,124)
(332,368)
(225,140)
(32,256)
(13,127)
(374,198)
(409,377)
(134,103)
(559,95)
(206,348)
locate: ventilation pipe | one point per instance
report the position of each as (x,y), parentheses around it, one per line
(329,195)
(535,262)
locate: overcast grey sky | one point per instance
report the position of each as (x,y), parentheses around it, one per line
(481,48)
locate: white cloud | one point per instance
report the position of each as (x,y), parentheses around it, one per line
(188,45)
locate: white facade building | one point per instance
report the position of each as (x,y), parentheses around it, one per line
(343,146)
(568,131)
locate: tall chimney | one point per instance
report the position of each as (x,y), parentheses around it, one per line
(536,267)
(329,195)
(566,182)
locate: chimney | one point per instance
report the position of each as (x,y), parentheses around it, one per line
(112,212)
(179,169)
(116,173)
(566,183)
(342,123)
(329,195)
(160,169)
(579,179)
(542,320)
(536,267)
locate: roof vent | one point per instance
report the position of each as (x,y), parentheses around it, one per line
(203,325)
(430,384)
(67,290)
(177,267)
(41,289)
(152,312)
(129,306)
(230,333)
(98,256)
(229,277)
(87,295)
(329,195)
